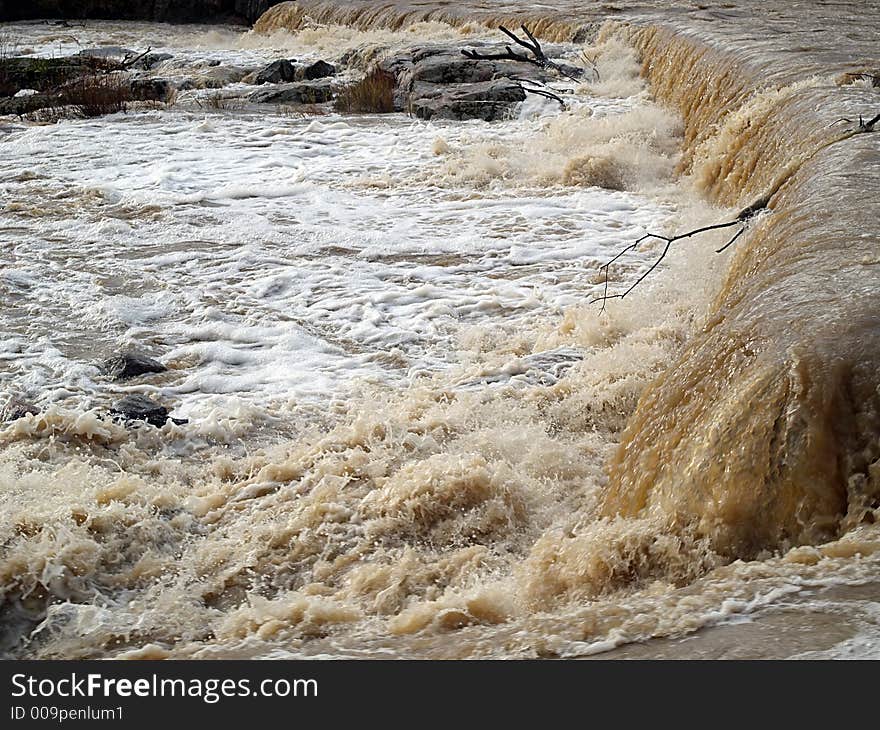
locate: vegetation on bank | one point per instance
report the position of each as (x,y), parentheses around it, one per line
(78,86)
(374,94)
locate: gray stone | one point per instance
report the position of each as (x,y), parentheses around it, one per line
(303,92)
(132,364)
(277,72)
(487,100)
(114,52)
(439,82)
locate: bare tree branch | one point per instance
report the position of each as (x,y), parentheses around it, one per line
(742,219)
(546,94)
(130,61)
(863,128)
(538,57)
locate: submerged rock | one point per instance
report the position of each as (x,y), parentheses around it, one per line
(141,408)
(115,52)
(217,77)
(277,72)
(303,92)
(16,408)
(132,364)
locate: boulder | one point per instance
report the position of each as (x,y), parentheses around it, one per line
(318,70)
(130,365)
(277,72)
(303,92)
(141,408)
(439,82)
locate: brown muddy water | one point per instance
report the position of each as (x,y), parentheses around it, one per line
(410,433)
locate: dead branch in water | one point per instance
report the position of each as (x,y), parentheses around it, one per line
(863,128)
(130,61)
(742,220)
(541,89)
(538,57)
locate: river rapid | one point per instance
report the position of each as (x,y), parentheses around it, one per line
(410,432)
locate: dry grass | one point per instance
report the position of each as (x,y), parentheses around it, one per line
(94,96)
(8,48)
(302,111)
(374,94)
(220,103)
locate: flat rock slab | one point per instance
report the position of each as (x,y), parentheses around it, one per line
(439,82)
(303,92)
(487,100)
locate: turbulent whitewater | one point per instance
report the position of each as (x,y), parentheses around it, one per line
(409,432)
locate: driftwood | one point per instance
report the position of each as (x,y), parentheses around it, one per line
(537,56)
(541,89)
(863,127)
(130,60)
(742,220)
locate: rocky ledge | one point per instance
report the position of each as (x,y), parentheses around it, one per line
(439,82)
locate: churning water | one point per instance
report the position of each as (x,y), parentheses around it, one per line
(410,433)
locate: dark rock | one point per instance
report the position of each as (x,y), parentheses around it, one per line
(43,74)
(16,408)
(443,69)
(141,408)
(319,70)
(150,89)
(487,100)
(438,82)
(277,72)
(130,365)
(575,72)
(304,92)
